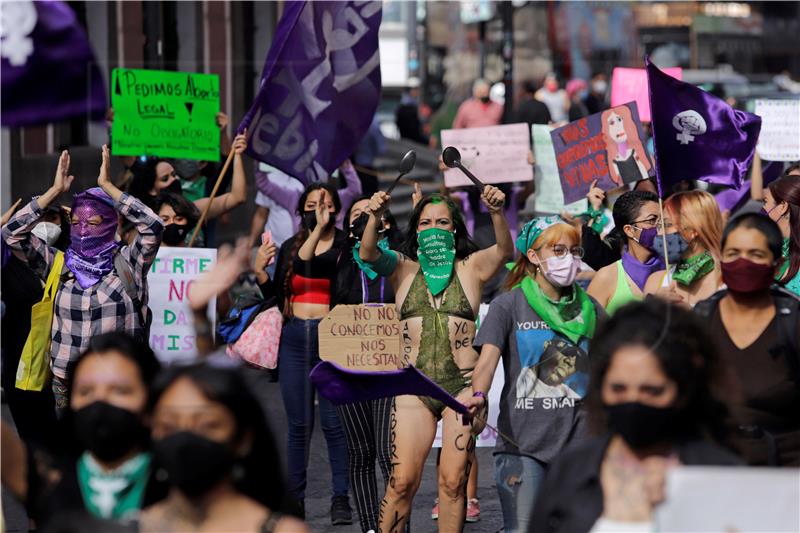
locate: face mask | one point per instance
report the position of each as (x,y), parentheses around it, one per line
(174,187)
(646,237)
(599,87)
(310,220)
(641,426)
(436,255)
(676,245)
(485,99)
(186,168)
(193,463)
(562,271)
(745,276)
(358,226)
(174,234)
(47,232)
(107,431)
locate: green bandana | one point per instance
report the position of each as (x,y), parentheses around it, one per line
(596,218)
(786,259)
(383,246)
(690,270)
(437,255)
(573,316)
(116,494)
(195,189)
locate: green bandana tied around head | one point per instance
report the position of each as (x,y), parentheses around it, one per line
(116,494)
(436,255)
(573,316)
(531,231)
(690,270)
(194,190)
(383,246)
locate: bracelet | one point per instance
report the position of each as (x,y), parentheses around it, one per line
(478,394)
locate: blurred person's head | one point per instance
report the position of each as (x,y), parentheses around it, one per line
(437,212)
(636,215)
(576,89)
(53,227)
(751,254)
(480,90)
(550,83)
(599,84)
(529,88)
(179,216)
(793,170)
(695,220)
(550,252)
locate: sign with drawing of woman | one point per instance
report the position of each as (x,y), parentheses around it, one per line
(627,159)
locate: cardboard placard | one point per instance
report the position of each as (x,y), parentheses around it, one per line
(165,114)
(496,154)
(630,84)
(361,337)
(549,198)
(172,334)
(607,147)
(779,139)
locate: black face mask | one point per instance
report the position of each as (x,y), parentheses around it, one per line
(641,426)
(174,234)
(485,99)
(107,431)
(174,187)
(310,220)
(358,226)
(193,463)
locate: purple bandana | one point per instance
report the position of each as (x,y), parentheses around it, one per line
(90,255)
(638,271)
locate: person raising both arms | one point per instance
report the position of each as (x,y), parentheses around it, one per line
(437,276)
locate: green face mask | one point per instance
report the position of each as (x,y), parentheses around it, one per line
(436,254)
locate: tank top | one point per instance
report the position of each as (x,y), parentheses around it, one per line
(623,293)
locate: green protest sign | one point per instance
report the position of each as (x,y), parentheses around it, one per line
(165,114)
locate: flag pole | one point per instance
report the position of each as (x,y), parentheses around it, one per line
(211,198)
(663,233)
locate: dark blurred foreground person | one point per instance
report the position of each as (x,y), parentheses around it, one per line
(652,373)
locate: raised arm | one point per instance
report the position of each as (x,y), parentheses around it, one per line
(306,251)
(350,192)
(489,260)
(225,202)
(286,197)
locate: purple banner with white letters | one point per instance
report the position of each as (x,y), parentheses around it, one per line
(320,88)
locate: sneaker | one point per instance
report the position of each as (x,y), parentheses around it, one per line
(341,513)
(473,510)
(435,510)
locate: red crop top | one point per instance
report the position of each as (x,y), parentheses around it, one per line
(310,290)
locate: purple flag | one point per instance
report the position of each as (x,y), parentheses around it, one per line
(319,90)
(341,385)
(733,199)
(49,72)
(698,136)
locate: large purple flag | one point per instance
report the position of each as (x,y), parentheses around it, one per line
(698,136)
(48,71)
(340,385)
(319,90)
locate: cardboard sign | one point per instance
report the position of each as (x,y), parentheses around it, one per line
(496,154)
(607,147)
(361,337)
(549,198)
(630,84)
(165,114)
(779,139)
(172,335)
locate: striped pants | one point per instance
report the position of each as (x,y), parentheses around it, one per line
(366,426)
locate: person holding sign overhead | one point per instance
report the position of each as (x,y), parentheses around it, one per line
(437,276)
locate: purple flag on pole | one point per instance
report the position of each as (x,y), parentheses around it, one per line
(319,90)
(733,199)
(49,72)
(698,136)
(341,385)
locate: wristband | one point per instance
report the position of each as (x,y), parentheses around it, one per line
(478,394)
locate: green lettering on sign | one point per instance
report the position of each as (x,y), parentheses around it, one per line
(165,114)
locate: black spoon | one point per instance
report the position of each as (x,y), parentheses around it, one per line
(406,166)
(452,158)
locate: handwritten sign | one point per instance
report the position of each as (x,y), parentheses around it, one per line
(496,154)
(779,139)
(630,84)
(549,198)
(607,147)
(172,335)
(361,337)
(165,114)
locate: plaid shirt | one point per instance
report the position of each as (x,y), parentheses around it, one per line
(81,313)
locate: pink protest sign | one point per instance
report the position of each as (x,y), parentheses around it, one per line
(631,84)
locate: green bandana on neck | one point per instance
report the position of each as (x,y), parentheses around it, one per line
(690,270)
(383,246)
(195,189)
(115,494)
(573,316)
(436,255)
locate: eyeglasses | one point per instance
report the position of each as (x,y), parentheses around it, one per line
(561,251)
(651,221)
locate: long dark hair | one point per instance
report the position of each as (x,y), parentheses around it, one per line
(626,211)
(684,351)
(393,233)
(180,205)
(143,180)
(464,245)
(787,189)
(262,478)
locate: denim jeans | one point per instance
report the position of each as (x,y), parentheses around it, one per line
(517,478)
(298,354)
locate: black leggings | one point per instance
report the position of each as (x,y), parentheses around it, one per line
(366,426)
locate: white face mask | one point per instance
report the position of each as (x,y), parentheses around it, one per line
(599,87)
(562,271)
(47,232)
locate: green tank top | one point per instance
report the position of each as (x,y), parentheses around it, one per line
(623,293)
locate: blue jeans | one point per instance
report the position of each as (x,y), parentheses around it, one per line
(517,478)
(298,354)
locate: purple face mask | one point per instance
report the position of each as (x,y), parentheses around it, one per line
(91,253)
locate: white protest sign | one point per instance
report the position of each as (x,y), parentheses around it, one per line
(779,139)
(549,198)
(495,154)
(172,335)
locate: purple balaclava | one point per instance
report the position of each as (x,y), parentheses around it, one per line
(90,255)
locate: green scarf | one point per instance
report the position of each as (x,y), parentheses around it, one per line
(195,189)
(596,218)
(116,494)
(573,316)
(383,246)
(690,270)
(436,255)
(786,259)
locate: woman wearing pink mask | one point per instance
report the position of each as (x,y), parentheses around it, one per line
(541,328)
(92,297)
